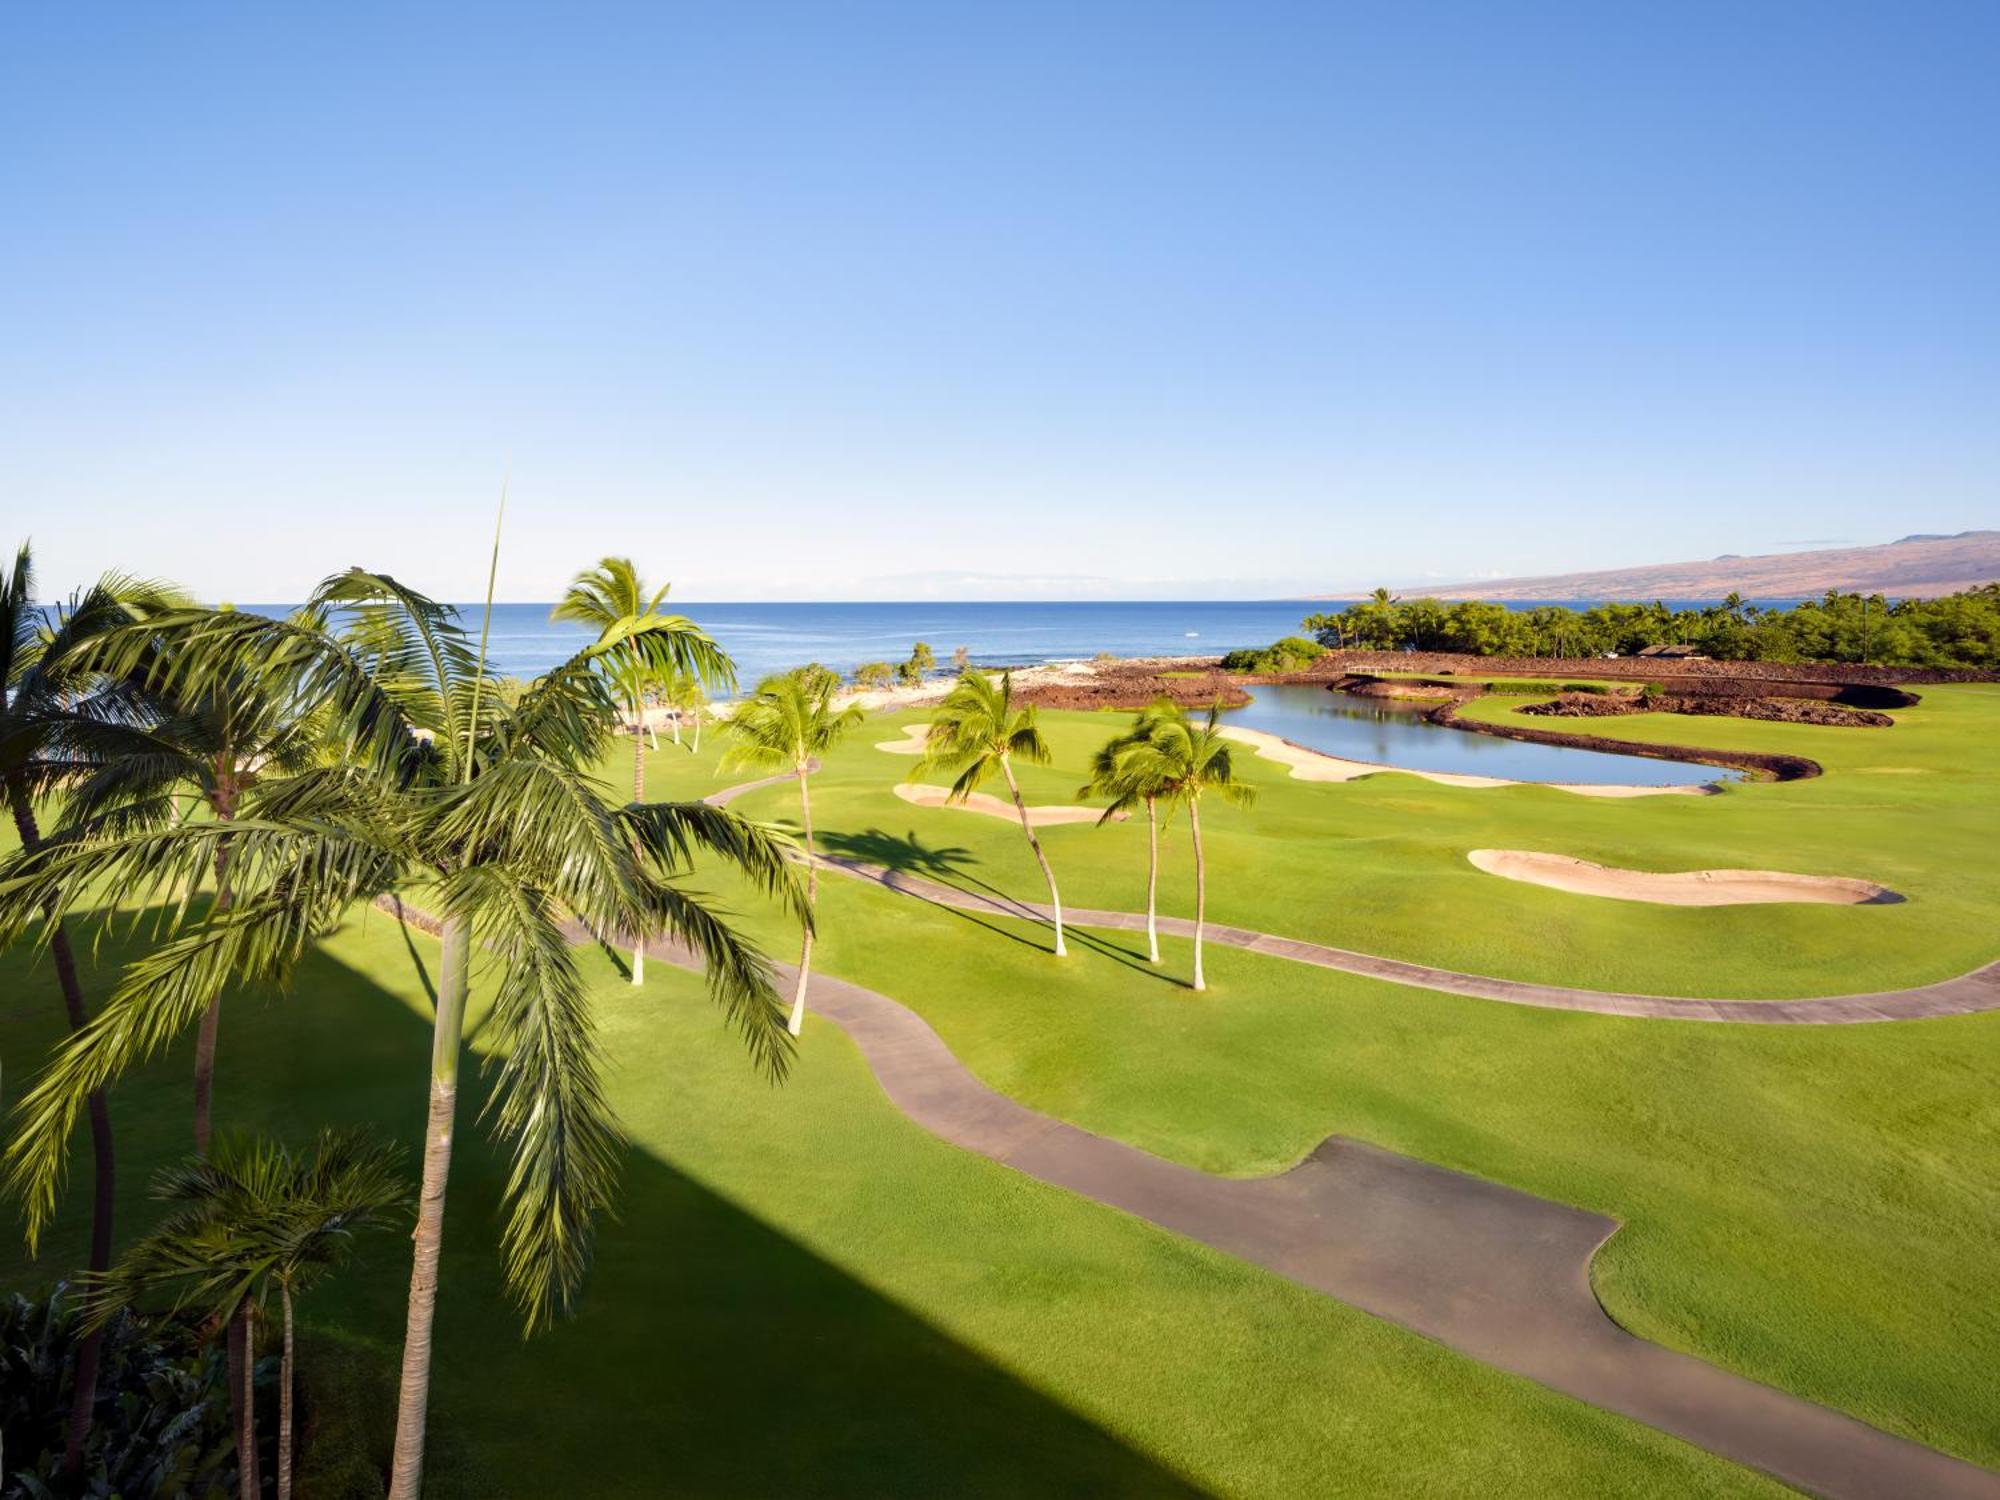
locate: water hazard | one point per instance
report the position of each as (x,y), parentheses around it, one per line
(1395,733)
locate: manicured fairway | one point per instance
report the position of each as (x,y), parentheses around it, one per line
(808,1295)
(1380,865)
(1814,1207)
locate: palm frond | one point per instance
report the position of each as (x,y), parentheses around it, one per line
(548,1109)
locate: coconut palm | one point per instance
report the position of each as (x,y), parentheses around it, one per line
(978,730)
(1185,760)
(491,815)
(787,725)
(249,1220)
(55,720)
(612,597)
(1123,771)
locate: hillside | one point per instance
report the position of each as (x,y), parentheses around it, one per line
(1914,567)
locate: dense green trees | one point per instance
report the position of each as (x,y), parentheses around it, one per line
(1959,630)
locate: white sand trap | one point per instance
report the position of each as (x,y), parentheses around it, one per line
(1685,888)
(1311,765)
(912,742)
(995,807)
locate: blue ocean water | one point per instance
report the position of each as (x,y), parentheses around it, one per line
(766,637)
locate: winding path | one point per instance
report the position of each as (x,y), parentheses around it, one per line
(1967,994)
(1496,1274)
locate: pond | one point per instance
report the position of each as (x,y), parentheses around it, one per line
(1393,732)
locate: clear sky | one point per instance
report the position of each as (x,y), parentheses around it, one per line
(1088,299)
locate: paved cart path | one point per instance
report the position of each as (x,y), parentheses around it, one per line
(1494,1273)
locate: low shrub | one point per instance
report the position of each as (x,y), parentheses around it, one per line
(160,1428)
(1293,654)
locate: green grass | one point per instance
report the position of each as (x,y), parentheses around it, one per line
(1379,864)
(1813,1206)
(805,1294)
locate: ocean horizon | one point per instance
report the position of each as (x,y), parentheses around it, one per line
(764,636)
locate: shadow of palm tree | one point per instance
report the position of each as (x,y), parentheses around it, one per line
(712,1354)
(949,865)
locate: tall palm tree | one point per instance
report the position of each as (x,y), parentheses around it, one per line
(212,746)
(491,814)
(1185,760)
(788,724)
(614,598)
(55,718)
(1123,771)
(252,1219)
(976,731)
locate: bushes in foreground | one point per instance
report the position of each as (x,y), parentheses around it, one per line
(161,1426)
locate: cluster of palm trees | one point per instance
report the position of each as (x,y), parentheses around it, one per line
(1163,760)
(240,783)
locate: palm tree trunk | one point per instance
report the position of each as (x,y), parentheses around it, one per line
(223,801)
(406,1476)
(204,1074)
(83,1395)
(1152,881)
(1055,899)
(243,1400)
(798,1018)
(1200,888)
(285,1404)
(639,795)
(697,729)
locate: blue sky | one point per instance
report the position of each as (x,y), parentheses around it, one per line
(857,300)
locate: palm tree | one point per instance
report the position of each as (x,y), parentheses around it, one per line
(788,724)
(976,731)
(1123,771)
(612,597)
(216,745)
(688,698)
(251,1219)
(492,813)
(55,718)
(1184,760)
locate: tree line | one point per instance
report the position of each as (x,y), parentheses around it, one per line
(1957,630)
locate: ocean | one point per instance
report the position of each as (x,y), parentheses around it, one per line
(769,637)
(766,637)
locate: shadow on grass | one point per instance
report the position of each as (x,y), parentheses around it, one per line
(712,1354)
(950,866)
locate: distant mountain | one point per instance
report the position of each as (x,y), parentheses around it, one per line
(1915,567)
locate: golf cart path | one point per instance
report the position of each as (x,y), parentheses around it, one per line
(1499,1275)
(1967,994)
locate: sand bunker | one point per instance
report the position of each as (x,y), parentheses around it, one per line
(996,807)
(912,742)
(1311,765)
(1685,888)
